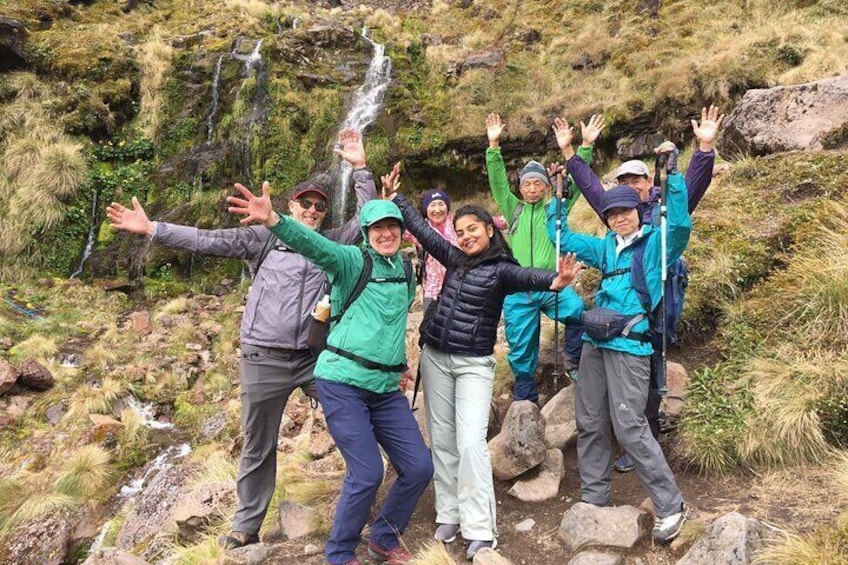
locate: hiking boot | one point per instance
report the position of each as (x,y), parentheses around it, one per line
(353,561)
(236,540)
(477,545)
(446,533)
(666,529)
(395,556)
(623,464)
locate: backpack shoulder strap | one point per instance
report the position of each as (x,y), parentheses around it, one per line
(513,222)
(364,277)
(266,249)
(638,280)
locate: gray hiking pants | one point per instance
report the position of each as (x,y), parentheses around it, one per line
(613,387)
(268,377)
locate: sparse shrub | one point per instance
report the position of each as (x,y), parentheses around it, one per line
(790,55)
(434,553)
(826,546)
(832,411)
(713,421)
(95,398)
(61,169)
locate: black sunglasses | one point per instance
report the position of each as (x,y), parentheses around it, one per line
(307,204)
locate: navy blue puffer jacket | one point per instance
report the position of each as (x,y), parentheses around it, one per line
(469,307)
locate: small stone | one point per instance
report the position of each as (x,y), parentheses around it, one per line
(140,322)
(525,525)
(311,549)
(54,414)
(296,520)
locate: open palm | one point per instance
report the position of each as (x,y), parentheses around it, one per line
(494,127)
(254,208)
(122,218)
(707,130)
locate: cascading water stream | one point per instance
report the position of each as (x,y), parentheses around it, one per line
(216,80)
(92,232)
(367,102)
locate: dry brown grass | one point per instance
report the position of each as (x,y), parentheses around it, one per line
(154,58)
(785,428)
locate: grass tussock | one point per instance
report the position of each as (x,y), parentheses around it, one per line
(434,553)
(87,474)
(61,169)
(785,428)
(36,346)
(95,397)
(827,546)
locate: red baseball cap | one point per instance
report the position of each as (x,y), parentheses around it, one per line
(308,186)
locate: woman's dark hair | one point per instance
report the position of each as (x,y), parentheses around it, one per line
(498,244)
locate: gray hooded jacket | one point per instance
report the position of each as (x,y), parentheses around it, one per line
(285,286)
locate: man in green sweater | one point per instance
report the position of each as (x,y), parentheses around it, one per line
(526,217)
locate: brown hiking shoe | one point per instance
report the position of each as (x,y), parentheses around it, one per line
(396,556)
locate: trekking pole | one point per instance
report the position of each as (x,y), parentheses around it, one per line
(662,159)
(558,178)
(417,386)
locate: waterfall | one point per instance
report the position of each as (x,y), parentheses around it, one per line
(92,232)
(366,104)
(216,80)
(295,23)
(252,64)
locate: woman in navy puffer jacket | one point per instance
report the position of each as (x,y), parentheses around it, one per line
(458,365)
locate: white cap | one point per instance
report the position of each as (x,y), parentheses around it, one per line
(634,167)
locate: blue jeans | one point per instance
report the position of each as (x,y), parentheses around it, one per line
(359,421)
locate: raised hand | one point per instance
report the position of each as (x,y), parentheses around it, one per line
(134,221)
(569,268)
(564,134)
(349,147)
(591,131)
(391,183)
(255,208)
(707,131)
(494,129)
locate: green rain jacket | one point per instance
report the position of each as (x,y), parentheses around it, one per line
(530,243)
(374,327)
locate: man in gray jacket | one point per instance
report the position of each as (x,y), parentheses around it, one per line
(275,356)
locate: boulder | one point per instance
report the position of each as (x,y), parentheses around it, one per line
(203,507)
(8,376)
(43,540)
(153,508)
(799,117)
(560,426)
(639,146)
(521,444)
(12,34)
(586,525)
(731,540)
(545,484)
(113,556)
(487,58)
(34,375)
(296,520)
(596,558)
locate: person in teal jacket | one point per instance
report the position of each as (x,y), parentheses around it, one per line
(531,246)
(612,384)
(357,376)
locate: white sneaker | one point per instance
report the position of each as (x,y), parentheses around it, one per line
(446,533)
(477,545)
(666,529)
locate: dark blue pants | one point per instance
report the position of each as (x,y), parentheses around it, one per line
(359,420)
(572,342)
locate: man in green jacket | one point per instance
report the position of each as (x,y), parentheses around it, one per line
(531,246)
(357,376)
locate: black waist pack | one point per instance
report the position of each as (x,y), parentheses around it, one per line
(603,324)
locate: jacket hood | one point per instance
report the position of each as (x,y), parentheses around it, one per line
(375,210)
